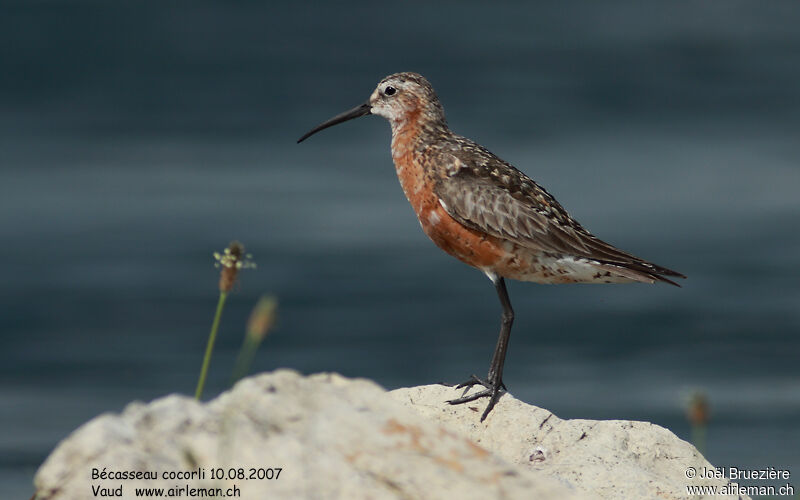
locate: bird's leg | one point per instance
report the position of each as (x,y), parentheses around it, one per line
(493,384)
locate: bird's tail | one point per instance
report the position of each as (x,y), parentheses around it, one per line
(642,271)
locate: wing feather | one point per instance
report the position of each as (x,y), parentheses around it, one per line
(487,194)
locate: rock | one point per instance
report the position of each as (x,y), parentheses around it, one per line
(331,438)
(282,435)
(611,459)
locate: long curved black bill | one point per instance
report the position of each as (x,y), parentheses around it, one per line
(363,109)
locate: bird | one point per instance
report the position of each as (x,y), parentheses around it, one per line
(486,213)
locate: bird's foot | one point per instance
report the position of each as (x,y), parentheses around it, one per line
(493,389)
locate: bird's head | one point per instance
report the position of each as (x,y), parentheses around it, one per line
(401,98)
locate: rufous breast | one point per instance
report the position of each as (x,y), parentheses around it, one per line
(476,249)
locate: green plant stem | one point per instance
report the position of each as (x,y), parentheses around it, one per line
(699,438)
(201,382)
(245,359)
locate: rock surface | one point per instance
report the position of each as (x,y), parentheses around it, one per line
(333,437)
(606,458)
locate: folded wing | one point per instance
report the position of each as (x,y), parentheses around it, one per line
(487,194)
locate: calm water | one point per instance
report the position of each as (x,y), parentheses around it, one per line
(136,140)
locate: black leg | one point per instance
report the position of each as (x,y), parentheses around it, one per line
(493,384)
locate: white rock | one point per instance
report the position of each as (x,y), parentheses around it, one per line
(613,459)
(332,438)
(340,438)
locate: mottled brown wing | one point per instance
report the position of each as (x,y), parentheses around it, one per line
(487,194)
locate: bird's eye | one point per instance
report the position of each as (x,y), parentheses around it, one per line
(389,90)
